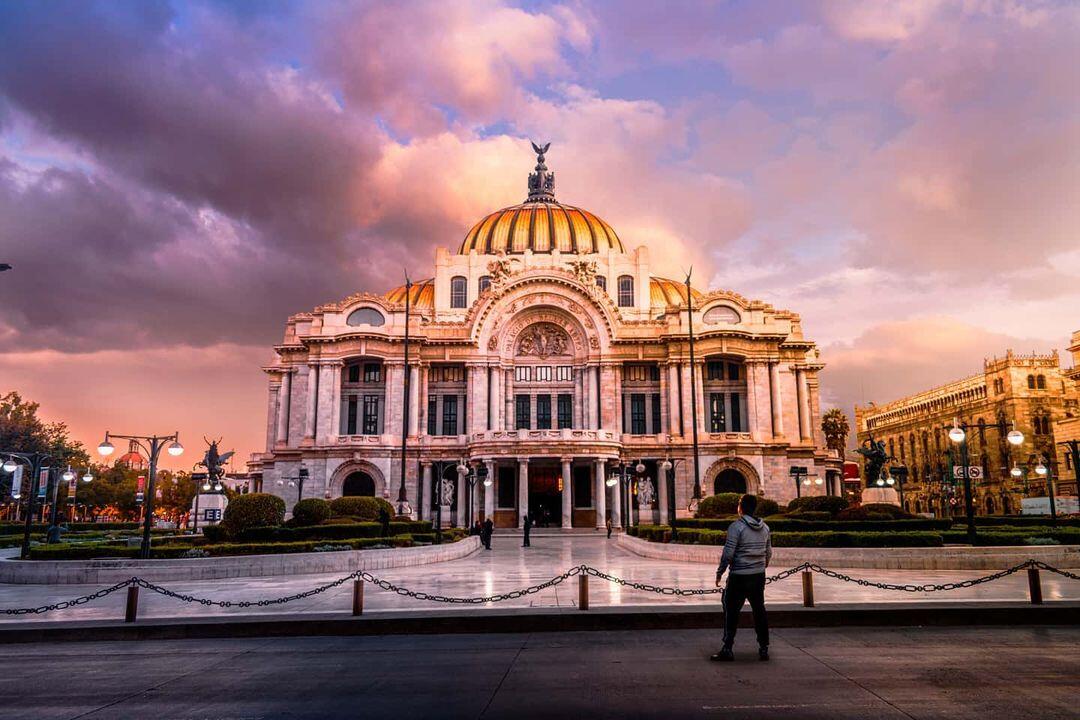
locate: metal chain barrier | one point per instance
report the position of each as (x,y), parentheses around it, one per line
(532,589)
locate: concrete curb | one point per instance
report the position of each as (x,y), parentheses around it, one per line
(517,620)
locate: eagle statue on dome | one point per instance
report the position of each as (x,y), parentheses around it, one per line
(541,182)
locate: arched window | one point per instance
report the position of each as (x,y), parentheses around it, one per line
(483,284)
(458,292)
(601,282)
(1031,382)
(1040,382)
(626,291)
(365,316)
(721,315)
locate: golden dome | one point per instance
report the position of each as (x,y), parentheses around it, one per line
(541,224)
(669,292)
(541,227)
(421,297)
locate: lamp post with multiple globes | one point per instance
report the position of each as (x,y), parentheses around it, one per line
(153,450)
(958,434)
(34,461)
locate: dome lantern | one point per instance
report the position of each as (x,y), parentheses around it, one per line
(541,182)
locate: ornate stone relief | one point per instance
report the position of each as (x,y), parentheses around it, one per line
(584,271)
(543,340)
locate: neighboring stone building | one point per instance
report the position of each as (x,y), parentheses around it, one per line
(1067,429)
(1028,392)
(545,352)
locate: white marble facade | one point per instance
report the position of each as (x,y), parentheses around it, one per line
(545,353)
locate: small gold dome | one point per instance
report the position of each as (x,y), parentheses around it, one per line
(541,227)
(421,296)
(669,292)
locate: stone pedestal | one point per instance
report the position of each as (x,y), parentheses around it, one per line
(211,508)
(447,518)
(884,495)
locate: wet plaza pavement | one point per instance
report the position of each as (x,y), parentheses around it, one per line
(508,567)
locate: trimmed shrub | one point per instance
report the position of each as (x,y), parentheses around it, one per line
(1021,520)
(793,524)
(830,504)
(360,507)
(253,510)
(330,532)
(214,533)
(1015,536)
(874,511)
(310,511)
(810,516)
(823,539)
(722,504)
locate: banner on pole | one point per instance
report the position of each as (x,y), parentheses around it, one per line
(16,482)
(140,489)
(43,483)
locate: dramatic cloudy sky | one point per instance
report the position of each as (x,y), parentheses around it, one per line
(177,178)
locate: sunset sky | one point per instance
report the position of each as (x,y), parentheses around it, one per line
(177,178)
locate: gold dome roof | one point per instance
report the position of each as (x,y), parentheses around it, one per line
(669,292)
(421,297)
(541,224)
(541,227)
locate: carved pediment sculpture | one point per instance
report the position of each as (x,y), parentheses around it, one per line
(584,271)
(543,340)
(499,269)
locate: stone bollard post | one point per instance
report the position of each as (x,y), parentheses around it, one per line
(131,610)
(358,597)
(1034,586)
(807,588)
(583,591)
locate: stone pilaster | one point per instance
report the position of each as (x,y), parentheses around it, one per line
(616,504)
(312,401)
(284,400)
(462,500)
(476,407)
(803,395)
(600,494)
(663,480)
(425,490)
(523,490)
(567,494)
(774,400)
(395,409)
(414,400)
(580,405)
(489,491)
(508,399)
(608,398)
(674,400)
(328,413)
(273,411)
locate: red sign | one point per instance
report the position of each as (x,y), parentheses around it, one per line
(140,488)
(851,470)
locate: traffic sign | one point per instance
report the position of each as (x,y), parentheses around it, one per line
(973,471)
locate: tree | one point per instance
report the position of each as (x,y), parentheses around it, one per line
(21,430)
(834,425)
(177,492)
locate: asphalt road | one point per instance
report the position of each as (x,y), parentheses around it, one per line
(979,673)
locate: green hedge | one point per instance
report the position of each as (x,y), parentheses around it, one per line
(1015,536)
(15,528)
(830,504)
(360,507)
(874,511)
(788,524)
(252,510)
(1020,520)
(823,539)
(330,532)
(90,551)
(310,511)
(728,503)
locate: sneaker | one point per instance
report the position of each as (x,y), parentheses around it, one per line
(763,654)
(725,655)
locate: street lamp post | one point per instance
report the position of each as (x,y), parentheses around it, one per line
(403,495)
(958,434)
(693,392)
(156,443)
(668,467)
(798,472)
(625,479)
(1043,470)
(34,461)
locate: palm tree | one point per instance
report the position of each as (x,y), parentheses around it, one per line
(834,425)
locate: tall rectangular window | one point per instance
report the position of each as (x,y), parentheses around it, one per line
(736,413)
(354,373)
(637,414)
(543,373)
(626,291)
(350,416)
(543,412)
(459,289)
(449,415)
(716,412)
(523,373)
(564,373)
(714,370)
(371,415)
(522,411)
(656,414)
(432,415)
(372,372)
(566,411)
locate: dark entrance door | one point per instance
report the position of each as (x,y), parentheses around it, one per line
(545,500)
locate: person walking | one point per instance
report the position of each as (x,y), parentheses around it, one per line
(608,525)
(485,533)
(747,553)
(527,526)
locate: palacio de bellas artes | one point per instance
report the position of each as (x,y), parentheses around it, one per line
(545,355)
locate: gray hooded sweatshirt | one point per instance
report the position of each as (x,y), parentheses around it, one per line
(748,548)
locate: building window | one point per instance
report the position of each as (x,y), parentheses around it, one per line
(714,370)
(601,282)
(484,284)
(736,413)
(637,414)
(432,415)
(626,291)
(1040,382)
(522,411)
(641,373)
(371,415)
(716,412)
(458,291)
(506,487)
(733,371)
(656,413)
(372,372)
(365,316)
(1031,382)
(350,416)
(566,411)
(449,415)
(1042,424)
(564,373)
(523,373)
(582,495)
(543,373)
(543,412)
(448,373)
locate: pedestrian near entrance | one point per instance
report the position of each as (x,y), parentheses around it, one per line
(485,533)
(527,526)
(608,524)
(747,553)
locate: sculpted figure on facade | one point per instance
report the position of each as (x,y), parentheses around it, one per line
(499,269)
(543,340)
(584,271)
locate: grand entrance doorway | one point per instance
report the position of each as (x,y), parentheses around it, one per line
(545,498)
(729,480)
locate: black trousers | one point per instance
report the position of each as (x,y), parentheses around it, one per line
(741,588)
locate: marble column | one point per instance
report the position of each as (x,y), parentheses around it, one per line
(600,494)
(395,409)
(674,400)
(425,491)
(312,390)
(476,408)
(664,407)
(329,376)
(414,400)
(273,411)
(580,404)
(616,504)
(619,410)
(567,494)
(489,491)
(508,399)
(699,386)
(774,399)
(752,399)
(284,407)
(462,500)
(523,490)
(421,417)
(608,400)
(335,405)
(663,480)
(687,407)
(804,404)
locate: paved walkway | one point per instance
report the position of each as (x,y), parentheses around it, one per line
(836,673)
(508,567)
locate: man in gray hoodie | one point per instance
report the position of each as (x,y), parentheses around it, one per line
(747,553)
